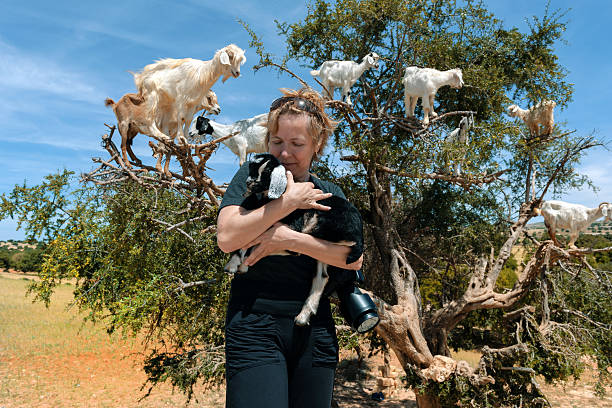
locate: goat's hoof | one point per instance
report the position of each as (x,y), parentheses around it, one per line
(303,319)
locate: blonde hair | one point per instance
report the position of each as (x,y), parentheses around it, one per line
(319,127)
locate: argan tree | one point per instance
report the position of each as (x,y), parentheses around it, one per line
(441,262)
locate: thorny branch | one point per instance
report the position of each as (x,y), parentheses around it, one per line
(193,184)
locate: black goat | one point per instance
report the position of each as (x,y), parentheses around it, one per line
(341,224)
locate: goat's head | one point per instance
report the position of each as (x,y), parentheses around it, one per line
(266,173)
(457,78)
(512,110)
(203,126)
(372,59)
(212,104)
(606,210)
(231,58)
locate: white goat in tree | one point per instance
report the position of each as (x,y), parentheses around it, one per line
(541,114)
(250,137)
(179,85)
(575,217)
(424,83)
(343,74)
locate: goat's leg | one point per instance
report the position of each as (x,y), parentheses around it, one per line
(186,125)
(181,131)
(130,139)
(431,105)
(157,154)
(167,165)
(153,131)
(236,262)
(551,234)
(242,153)
(573,238)
(124,132)
(347,95)
(316,291)
(408,105)
(132,155)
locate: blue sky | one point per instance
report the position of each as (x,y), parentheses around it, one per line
(59,60)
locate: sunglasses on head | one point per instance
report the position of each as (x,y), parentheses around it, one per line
(300,103)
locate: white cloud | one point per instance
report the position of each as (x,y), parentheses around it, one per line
(21,72)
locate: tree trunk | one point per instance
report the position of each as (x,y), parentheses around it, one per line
(427,401)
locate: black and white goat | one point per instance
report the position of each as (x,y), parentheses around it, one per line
(459,139)
(341,224)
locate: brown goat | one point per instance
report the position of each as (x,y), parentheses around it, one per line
(133,118)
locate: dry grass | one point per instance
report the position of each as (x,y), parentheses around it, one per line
(49,358)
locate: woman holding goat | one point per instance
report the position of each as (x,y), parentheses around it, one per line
(270,361)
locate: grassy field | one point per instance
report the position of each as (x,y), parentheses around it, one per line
(49,358)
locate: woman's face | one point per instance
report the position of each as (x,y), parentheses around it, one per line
(292,145)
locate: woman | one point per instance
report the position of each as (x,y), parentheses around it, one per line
(271,362)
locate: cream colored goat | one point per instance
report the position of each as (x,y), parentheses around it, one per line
(179,85)
(133,117)
(575,217)
(424,83)
(541,114)
(343,74)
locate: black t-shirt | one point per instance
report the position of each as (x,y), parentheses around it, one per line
(275,276)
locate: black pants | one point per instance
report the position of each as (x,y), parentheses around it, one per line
(272,363)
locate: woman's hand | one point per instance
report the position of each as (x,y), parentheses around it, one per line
(304,195)
(279,237)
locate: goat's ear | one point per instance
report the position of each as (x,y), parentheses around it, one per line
(605,210)
(458,77)
(224,58)
(278,182)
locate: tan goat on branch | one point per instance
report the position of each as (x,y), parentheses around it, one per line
(541,114)
(133,117)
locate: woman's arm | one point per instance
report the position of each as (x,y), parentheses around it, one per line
(236,227)
(280,237)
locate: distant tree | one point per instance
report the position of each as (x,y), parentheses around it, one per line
(5,256)
(439,245)
(28,260)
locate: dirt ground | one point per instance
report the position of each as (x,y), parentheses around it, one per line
(108,374)
(114,380)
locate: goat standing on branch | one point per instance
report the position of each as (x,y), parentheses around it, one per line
(133,117)
(343,74)
(424,83)
(541,114)
(458,138)
(179,85)
(575,217)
